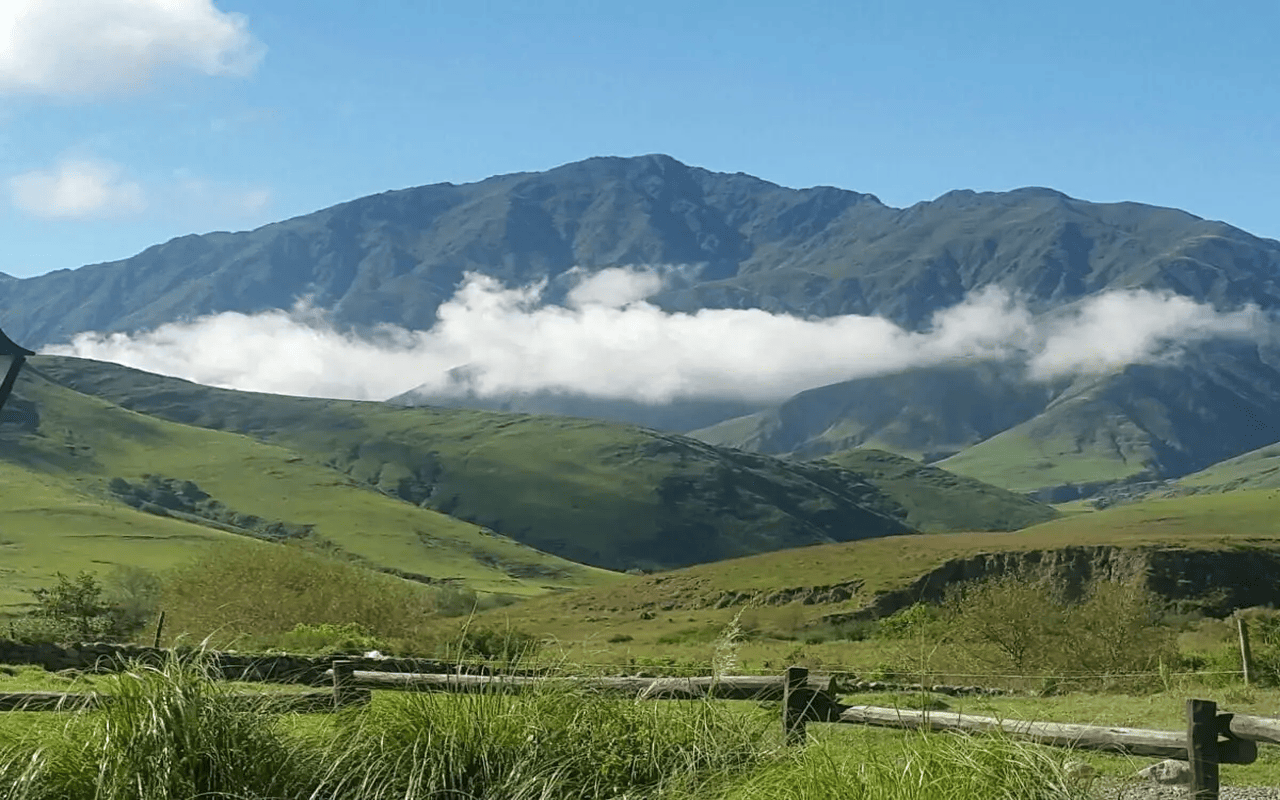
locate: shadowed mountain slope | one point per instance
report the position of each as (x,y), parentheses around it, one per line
(936,500)
(1145,421)
(925,413)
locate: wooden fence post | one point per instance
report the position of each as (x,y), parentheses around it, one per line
(1246,655)
(1202,748)
(795,703)
(344,694)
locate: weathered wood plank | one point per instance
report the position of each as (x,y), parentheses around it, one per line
(267,703)
(1257,729)
(1135,741)
(735,687)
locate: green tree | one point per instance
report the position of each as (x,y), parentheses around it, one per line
(77,602)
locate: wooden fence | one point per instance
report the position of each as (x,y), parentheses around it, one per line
(1209,739)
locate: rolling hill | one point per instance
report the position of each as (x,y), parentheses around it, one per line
(88,484)
(936,500)
(1218,551)
(610,495)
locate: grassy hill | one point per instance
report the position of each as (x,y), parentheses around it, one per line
(88,484)
(936,500)
(924,414)
(1257,469)
(790,591)
(606,494)
(1161,420)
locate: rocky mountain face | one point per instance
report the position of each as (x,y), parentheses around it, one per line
(743,242)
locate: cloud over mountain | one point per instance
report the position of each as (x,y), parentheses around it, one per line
(607,341)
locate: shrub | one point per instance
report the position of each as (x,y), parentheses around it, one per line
(1007,623)
(1117,630)
(74,605)
(347,637)
(508,645)
(134,595)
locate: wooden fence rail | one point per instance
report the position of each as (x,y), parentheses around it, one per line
(1210,738)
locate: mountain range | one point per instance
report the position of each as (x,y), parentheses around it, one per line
(736,241)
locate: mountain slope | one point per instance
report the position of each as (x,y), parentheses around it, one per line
(609,495)
(1256,469)
(744,242)
(936,500)
(90,483)
(923,413)
(1142,422)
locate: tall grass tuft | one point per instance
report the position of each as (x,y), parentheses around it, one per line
(170,732)
(927,767)
(556,743)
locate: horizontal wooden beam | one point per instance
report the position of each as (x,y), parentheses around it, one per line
(1133,741)
(1256,729)
(735,687)
(264,702)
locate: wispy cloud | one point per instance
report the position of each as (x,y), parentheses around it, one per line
(77,188)
(96,47)
(609,342)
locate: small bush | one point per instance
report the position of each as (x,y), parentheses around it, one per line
(507,645)
(348,637)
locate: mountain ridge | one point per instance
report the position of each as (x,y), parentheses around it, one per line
(394,257)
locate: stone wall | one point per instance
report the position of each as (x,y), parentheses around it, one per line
(273,667)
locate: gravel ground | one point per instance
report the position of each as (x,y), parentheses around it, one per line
(1147,790)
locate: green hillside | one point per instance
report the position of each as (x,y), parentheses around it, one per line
(789,589)
(611,495)
(1257,469)
(937,500)
(924,414)
(1145,421)
(89,484)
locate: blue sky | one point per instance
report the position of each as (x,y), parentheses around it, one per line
(124,123)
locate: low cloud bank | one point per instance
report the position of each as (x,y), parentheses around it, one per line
(608,342)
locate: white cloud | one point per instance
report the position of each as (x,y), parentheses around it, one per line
(90,188)
(77,188)
(91,47)
(610,343)
(1129,327)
